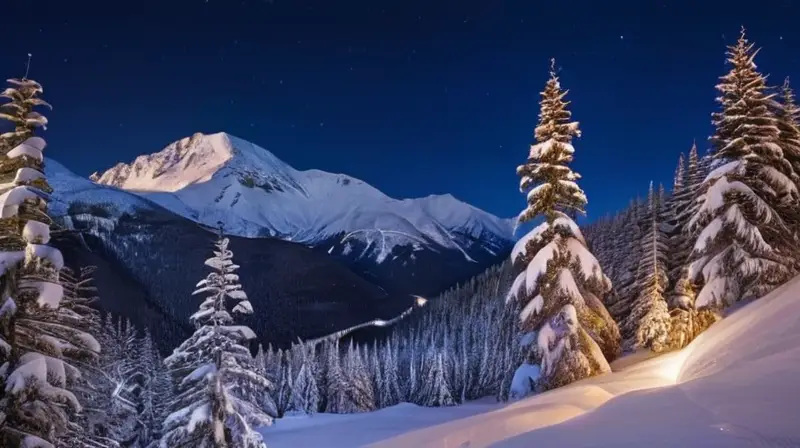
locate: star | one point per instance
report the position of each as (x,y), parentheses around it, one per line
(280,82)
(321,124)
(780,38)
(621,37)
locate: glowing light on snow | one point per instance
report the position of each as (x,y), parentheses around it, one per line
(421,301)
(379,323)
(671,365)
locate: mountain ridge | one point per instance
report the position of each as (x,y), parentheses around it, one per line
(257,194)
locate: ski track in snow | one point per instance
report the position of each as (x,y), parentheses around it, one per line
(734,386)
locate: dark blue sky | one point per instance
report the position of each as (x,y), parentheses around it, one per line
(415,97)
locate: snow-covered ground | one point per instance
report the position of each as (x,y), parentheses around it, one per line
(736,385)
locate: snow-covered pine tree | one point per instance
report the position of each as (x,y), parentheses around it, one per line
(435,389)
(361,396)
(282,390)
(682,203)
(305,392)
(335,381)
(36,352)
(648,325)
(262,397)
(376,372)
(119,385)
(214,370)
(156,392)
(788,122)
(92,391)
(557,273)
(742,249)
(390,395)
(626,249)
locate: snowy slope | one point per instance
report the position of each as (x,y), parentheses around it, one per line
(212,178)
(69,188)
(733,386)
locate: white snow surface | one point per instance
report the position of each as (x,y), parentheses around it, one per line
(523,377)
(734,386)
(203,178)
(69,188)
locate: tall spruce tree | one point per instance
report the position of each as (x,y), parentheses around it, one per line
(741,248)
(120,384)
(77,310)
(37,352)
(649,323)
(788,122)
(683,204)
(305,392)
(214,371)
(557,273)
(436,390)
(788,116)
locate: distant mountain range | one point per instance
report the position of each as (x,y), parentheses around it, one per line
(321,250)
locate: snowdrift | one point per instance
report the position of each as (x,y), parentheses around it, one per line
(733,386)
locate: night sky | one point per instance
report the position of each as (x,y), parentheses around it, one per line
(415,97)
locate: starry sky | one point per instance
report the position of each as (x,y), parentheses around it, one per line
(415,97)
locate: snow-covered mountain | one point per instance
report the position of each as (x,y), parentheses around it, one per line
(221,178)
(148,260)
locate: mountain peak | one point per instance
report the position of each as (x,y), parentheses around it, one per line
(188,161)
(219,177)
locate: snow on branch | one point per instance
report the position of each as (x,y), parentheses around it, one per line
(32,148)
(35,252)
(12,199)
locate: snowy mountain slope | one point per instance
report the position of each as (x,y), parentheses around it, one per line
(734,386)
(69,188)
(212,178)
(149,259)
